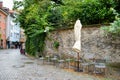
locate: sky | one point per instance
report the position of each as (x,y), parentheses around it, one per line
(8,3)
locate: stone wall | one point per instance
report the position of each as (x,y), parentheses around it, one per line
(65,39)
(94,44)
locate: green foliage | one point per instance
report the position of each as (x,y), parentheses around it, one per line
(114,27)
(117,7)
(33,18)
(58,1)
(90,11)
(17,4)
(56,44)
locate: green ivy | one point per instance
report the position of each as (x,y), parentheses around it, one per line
(33,20)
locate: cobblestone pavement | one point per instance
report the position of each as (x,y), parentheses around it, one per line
(14,66)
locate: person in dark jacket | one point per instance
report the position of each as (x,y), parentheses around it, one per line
(22,50)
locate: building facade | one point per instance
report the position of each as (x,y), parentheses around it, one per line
(22,36)
(9,29)
(3,25)
(13,29)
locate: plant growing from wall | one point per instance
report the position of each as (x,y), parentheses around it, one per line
(114,28)
(56,44)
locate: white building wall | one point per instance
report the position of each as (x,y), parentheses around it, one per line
(15,33)
(13,30)
(8,27)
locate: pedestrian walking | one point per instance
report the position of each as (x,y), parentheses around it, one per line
(20,44)
(8,43)
(16,45)
(22,50)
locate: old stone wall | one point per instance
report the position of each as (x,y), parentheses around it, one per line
(93,42)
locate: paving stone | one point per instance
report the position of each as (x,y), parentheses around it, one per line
(14,66)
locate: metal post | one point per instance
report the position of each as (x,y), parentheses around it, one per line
(78,62)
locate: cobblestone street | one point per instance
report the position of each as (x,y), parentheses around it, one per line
(14,66)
